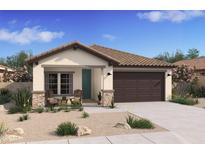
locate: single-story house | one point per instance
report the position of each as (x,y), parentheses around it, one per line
(116,74)
(198,64)
(2,70)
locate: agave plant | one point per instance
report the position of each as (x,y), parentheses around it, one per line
(23,99)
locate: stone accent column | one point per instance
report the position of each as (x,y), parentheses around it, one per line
(38,99)
(107,97)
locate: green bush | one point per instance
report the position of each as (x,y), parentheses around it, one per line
(5,99)
(39,109)
(23,100)
(184,100)
(67,110)
(197,91)
(20,118)
(4,92)
(81,109)
(63,107)
(23,117)
(139,123)
(76,104)
(5,96)
(47,109)
(85,115)
(66,128)
(3,128)
(13,110)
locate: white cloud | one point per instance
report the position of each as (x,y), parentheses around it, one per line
(12,22)
(28,35)
(173,16)
(109,37)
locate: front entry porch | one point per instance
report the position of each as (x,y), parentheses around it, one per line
(63,81)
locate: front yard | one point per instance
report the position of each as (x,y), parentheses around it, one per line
(42,126)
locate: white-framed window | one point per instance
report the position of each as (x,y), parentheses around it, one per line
(59,83)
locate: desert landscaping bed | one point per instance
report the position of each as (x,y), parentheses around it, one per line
(42,126)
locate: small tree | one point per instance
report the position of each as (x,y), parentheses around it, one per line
(184,73)
(183,78)
(192,53)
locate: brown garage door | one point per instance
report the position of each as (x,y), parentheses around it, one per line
(138,86)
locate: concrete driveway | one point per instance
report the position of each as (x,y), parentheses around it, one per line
(186,122)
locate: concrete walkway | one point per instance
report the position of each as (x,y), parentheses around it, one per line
(186,122)
(145,138)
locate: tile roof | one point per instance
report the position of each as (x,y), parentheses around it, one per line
(198,63)
(116,57)
(128,59)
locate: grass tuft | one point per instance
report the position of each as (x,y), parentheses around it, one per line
(139,123)
(184,100)
(81,109)
(66,128)
(23,117)
(85,115)
(3,129)
(39,110)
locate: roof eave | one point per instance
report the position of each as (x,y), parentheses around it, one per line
(69,46)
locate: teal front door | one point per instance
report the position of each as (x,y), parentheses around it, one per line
(86,83)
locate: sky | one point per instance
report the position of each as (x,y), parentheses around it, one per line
(146,33)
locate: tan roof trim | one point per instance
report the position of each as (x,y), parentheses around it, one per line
(69,46)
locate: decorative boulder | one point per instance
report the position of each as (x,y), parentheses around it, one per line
(9,138)
(83,130)
(122,125)
(16,131)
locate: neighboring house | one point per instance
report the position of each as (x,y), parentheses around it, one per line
(94,69)
(199,65)
(2,70)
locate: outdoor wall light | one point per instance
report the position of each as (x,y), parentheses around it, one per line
(169,74)
(108,74)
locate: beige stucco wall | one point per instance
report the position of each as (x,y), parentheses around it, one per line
(96,82)
(71,60)
(108,80)
(38,78)
(168,84)
(168,79)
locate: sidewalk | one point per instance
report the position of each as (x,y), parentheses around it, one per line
(166,137)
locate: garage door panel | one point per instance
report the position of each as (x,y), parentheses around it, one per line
(138,86)
(125,83)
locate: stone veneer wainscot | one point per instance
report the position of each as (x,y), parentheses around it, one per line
(38,99)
